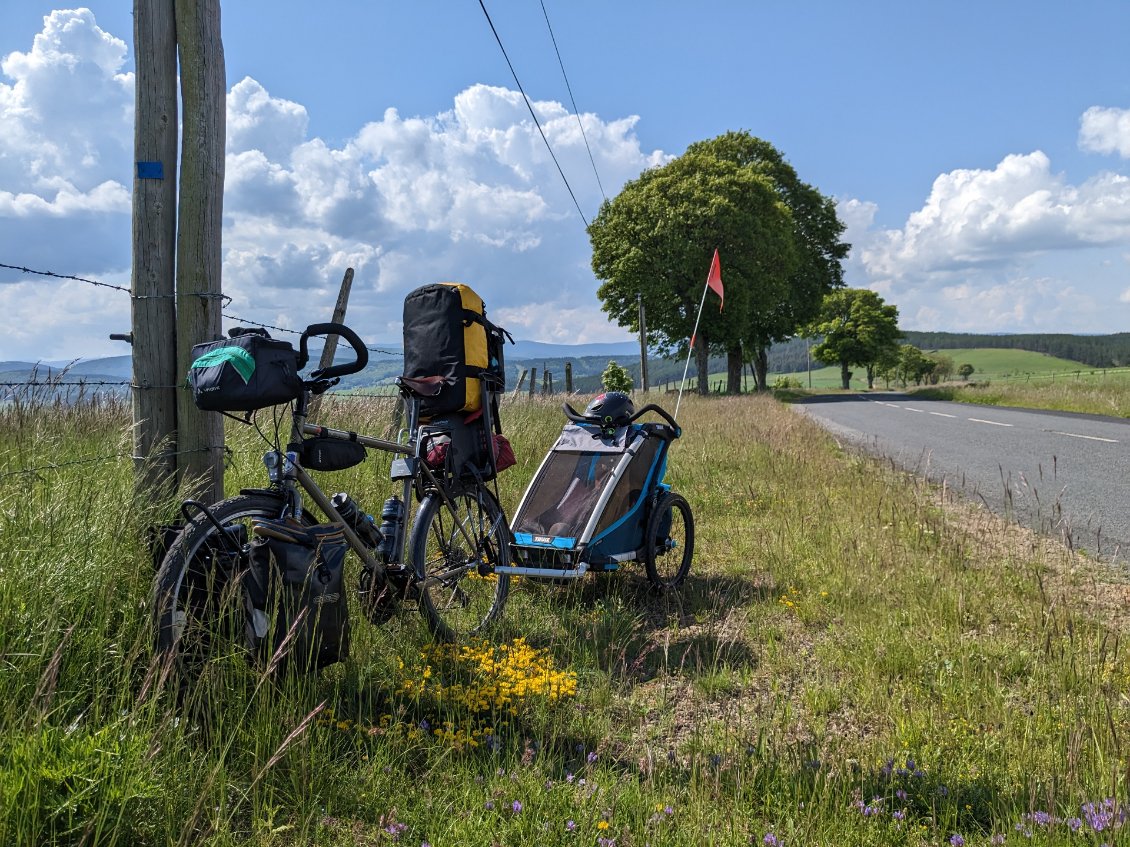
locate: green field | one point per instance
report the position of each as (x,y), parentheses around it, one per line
(852,661)
(989,364)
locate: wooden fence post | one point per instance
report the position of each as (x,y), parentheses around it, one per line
(568,377)
(200,435)
(521,380)
(533,380)
(153,311)
(331,341)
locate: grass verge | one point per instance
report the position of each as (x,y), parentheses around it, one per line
(852,661)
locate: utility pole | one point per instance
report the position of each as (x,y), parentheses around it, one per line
(152,278)
(643,344)
(200,435)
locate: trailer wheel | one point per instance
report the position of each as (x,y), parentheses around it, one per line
(669,542)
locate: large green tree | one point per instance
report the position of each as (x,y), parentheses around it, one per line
(858,328)
(816,234)
(655,241)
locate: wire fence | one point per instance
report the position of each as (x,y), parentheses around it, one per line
(225,300)
(47,385)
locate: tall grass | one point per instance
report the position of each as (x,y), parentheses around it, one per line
(1088,393)
(852,661)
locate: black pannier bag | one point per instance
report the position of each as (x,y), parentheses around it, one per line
(446,334)
(331,454)
(248,371)
(459,444)
(294,593)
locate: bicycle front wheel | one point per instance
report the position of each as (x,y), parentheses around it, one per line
(455,549)
(197,597)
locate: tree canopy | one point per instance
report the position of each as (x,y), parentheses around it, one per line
(858,328)
(778,239)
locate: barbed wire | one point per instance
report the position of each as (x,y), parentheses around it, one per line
(223,297)
(203,295)
(298,332)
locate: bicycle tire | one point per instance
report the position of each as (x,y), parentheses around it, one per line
(194,604)
(460,594)
(668,558)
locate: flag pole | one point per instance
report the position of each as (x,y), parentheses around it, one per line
(690,348)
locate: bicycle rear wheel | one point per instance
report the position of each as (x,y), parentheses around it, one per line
(197,598)
(454,551)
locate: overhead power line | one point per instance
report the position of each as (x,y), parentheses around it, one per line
(576,111)
(530,106)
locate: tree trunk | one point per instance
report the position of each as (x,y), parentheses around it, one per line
(702,361)
(734,370)
(845,376)
(153,316)
(200,435)
(761,369)
(870,377)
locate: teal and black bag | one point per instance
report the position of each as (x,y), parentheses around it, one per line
(248,371)
(294,592)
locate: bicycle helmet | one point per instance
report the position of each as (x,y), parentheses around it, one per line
(610,411)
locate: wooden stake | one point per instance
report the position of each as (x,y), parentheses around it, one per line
(331,340)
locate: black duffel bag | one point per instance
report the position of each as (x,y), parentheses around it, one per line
(248,371)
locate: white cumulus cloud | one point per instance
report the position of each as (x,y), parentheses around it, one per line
(470,194)
(1105,130)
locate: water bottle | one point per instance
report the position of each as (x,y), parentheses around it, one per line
(363,524)
(392,530)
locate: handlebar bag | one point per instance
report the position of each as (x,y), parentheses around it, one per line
(243,373)
(297,614)
(447,334)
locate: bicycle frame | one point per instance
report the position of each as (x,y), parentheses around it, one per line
(407,470)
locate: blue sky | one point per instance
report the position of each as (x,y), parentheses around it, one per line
(979,153)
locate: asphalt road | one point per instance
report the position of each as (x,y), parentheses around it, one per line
(1066,475)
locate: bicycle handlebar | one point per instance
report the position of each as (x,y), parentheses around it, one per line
(354,341)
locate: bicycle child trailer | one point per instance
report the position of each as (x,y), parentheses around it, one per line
(599,500)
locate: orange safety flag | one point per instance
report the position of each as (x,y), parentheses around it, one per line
(714,278)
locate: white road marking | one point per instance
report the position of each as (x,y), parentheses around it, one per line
(994,423)
(1088,437)
(943,415)
(913,410)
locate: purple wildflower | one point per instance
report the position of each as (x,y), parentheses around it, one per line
(395,830)
(606,842)
(590,758)
(771,840)
(488,805)
(943,791)
(997,839)
(569,777)
(899,814)
(667,810)
(957,841)
(889,766)
(570,825)
(1099,817)
(900,794)
(1040,818)
(516,806)
(1074,824)
(424,725)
